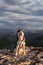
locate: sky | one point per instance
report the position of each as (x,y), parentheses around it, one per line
(27,14)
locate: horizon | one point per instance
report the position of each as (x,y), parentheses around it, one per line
(25,30)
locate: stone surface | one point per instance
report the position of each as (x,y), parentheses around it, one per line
(34,56)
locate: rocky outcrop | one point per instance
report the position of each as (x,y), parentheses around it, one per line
(34,56)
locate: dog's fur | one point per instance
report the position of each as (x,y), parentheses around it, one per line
(20,42)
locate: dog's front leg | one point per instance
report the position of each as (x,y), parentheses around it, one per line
(17,50)
(24,48)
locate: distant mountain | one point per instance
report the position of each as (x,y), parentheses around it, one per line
(32,38)
(38,41)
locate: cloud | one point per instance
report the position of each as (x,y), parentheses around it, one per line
(26,14)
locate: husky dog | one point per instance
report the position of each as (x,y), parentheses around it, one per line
(20,42)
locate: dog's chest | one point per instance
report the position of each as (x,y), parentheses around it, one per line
(20,50)
(20,44)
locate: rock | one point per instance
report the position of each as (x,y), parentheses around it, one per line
(6,57)
(1,55)
(40,56)
(3,61)
(32,57)
(41,63)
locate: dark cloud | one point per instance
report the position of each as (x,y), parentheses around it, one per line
(26,14)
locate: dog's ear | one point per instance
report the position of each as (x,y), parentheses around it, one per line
(20,30)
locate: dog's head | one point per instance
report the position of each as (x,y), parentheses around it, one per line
(20,34)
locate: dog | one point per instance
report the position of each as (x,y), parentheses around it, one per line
(20,42)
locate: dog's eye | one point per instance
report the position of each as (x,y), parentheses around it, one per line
(20,34)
